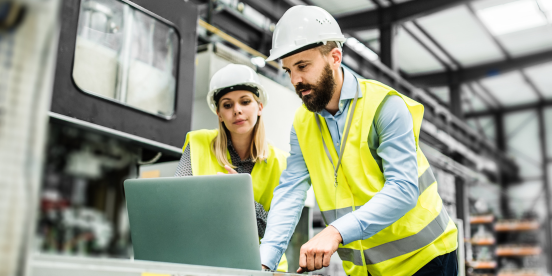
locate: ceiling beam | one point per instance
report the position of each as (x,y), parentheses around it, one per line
(237,26)
(509,109)
(273,9)
(426,47)
(392,14)
(437,44)
(493,104)
(481,71)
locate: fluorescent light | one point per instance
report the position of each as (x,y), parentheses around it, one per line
(361,49)
(512,17)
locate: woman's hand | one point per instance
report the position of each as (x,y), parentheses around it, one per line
(230,170)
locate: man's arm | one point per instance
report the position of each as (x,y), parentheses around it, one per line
(287,204)
(397,149)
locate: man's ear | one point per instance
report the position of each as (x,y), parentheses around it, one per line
(336,57)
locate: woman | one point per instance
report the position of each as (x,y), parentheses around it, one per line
(239,145)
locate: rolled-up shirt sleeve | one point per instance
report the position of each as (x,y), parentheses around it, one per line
(287,204)
(397,150)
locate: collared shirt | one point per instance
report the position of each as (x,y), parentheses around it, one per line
(391,143)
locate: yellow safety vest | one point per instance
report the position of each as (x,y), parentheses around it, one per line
(408,244)
(265,175)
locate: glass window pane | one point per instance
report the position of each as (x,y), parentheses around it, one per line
(522,141)
(412,57)
(126,55)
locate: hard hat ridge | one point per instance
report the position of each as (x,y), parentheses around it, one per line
(302,28)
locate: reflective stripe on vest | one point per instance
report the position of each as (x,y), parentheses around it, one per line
(400,247)
(351,255)
(424,181)
(396,248)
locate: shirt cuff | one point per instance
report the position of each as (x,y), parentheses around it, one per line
(270,256)
(349,228)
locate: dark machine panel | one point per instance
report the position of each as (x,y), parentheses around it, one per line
(70,97)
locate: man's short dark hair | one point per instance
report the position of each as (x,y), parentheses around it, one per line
(326,49)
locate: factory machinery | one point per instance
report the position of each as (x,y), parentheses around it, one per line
(130,81)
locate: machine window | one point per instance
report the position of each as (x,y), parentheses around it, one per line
(126,55)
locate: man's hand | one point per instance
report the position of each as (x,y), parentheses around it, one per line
(317,252)
(230,170)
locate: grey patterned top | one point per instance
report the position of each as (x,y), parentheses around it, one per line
(184,168)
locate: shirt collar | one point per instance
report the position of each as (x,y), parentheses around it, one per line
(348,90)
(350,85)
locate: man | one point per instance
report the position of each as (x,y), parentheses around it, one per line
(377,195)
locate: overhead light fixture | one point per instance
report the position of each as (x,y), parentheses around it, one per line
(361,49)
(513,17)
(258,61)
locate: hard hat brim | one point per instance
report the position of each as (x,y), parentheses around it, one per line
(297,49)
(263,95)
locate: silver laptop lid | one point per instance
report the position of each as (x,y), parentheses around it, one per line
(201,220)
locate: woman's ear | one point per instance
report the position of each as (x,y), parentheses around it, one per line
(260,109)
(219,116)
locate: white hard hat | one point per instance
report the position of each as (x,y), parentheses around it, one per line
(302,28)
(234,77)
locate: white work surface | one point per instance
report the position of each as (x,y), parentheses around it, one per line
(46,265)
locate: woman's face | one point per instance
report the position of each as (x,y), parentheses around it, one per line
(239,111)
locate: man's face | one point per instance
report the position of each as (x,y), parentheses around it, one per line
(313,78)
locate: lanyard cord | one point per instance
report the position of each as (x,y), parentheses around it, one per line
(343,143)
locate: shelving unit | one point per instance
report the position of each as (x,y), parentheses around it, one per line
(518,248)
(521,273)
(483,219)
(483,242)
(514,225)
(511,251)
(483,265)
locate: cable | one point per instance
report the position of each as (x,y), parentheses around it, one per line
(151,161)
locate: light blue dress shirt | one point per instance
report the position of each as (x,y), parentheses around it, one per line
(391,143)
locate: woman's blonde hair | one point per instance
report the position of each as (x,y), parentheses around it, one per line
(258,150)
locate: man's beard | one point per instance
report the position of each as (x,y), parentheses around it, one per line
(321,92)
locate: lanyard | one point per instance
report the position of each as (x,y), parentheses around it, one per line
(343,142)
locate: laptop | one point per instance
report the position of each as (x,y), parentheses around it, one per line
(199,220)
